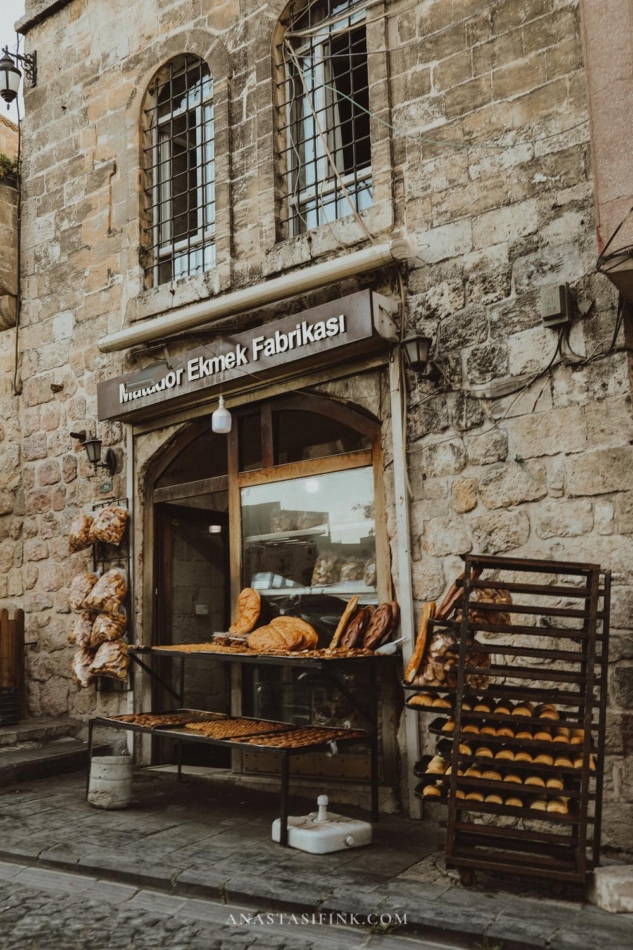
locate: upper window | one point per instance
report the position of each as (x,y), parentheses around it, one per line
(180,165)
(325,114)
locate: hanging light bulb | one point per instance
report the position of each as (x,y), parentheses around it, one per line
(221,420)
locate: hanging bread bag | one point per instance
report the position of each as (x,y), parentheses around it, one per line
(109,592)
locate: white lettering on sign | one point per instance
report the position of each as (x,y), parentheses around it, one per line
(201,367)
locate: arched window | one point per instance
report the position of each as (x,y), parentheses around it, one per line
(326,144)
(180,172)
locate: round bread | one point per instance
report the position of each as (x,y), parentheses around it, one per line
(467,705)
(491,776)
(449,726)
(488,731)
(432,791)
(505,731)
(503,709)
(460,793)
(563,732)
(472,772)
(554,782)
(543,758)
(475,796)
(535,780)
(471,727)
(421,699)
(523,709)
(514,802)
(539,804)
(543,735)
(438,764)
(298,634)
(484,752)
(524,734)
(563,762)
(505,754)
(465,749)
(523,756)
(558,806)
(494,799)
(483,707)
(547,711)
(511,777)
(442,703)
(249,605)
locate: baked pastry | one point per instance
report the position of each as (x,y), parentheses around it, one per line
(460,793)
(465,749)
(554,781)
(437,765)
(108,593)
(514,802)
(238,727)
(347,614)
(442,703)
(563,762)
(493,799)
(249,605)
(491,775)
(381,625)
(109,524)
(539,804)
(522,756)
(81,666)
(507,754)
(299,738)
(484,752)
(79,533)
(524,734)
(449,726)
(523,709)
(112,660)
(432,791)
(513,777)
(472,772)
(80,587)
(503,708)
(483,706)
(428,612)
(467,706)
(474,796)
(562,735)
(159,720)
(81,630)
(543,735)
(505,731)
(558,806)
(421,699)
(284,635)
(547,711)
(326,570)
(108,627)
(535,780)
(577,737)
(578,763)
(471,727)
(543,758)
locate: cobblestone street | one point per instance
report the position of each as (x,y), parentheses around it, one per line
(46,910)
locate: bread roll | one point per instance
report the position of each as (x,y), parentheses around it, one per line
(460,793)
(578,763)
(474,796)
(554,782)
(505,731)
(438,764)
(472,772)
(471,727)
(421,699)
(512,777)
(563,762)
(543,758)
(442,703)
(577,737)
(543,735)
(535,780)
(493,799)
(428,612)
(522,756)
(514,802)
(503,708)
(488,731)
(539,804)
(465,749)
(507,754)
(467,706)
(547,711)
(558,806)
(449,726)
(432,791)
(484,752)
(523,709)
(483,706)
(524,734)
(491,776)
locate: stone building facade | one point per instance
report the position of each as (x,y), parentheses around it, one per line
(480,136)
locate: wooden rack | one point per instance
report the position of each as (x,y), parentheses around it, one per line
(556,653)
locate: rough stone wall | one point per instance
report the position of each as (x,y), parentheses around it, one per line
(489,171)
(8,138)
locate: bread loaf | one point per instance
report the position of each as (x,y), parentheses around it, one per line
(428,612)
(249,605)
(343,622)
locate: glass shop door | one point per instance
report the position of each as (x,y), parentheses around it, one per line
(192,603)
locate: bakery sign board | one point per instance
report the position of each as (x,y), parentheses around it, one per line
(347,327)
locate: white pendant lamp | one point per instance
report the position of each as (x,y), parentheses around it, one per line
(221,420)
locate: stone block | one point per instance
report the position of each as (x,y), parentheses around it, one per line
(466,412)
(599,473)
(562,430)
(450,240)
(611,889)
(505,224)
(35,447)
(609,421)
(622,686)
(566,519)
(444,536)
(512,484)
(440,300)
(463,328)
(487,448)
(514,314)
(428,578)
(501,531)
(443,458)
(487,362)
(624,513)
(464,495)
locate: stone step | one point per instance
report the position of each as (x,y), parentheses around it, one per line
(55,758)
(36,730)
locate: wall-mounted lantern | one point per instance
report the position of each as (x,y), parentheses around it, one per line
(10,75)
(417,348)
(93,451)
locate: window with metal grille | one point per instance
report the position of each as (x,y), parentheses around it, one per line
(180,166)
(326,148)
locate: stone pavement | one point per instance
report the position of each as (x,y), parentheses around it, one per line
(212,841)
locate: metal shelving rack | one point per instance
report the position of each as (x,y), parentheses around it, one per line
(570,672)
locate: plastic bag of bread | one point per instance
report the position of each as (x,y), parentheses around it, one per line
(108,627)
(439,666)
(80,587)
(352,570)
(109,524)
(282,521)
(326,570)
(81,663)
(311,519)
(111,659)
(486,595)
(369,573)
(79,533)
(108,593)
(81,630)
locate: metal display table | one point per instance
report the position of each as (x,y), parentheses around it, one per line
(179,734)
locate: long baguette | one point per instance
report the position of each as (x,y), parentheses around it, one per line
(342,624)
(428,612)
(454,593)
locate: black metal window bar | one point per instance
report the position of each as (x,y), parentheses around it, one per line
(180,162)
(326,147)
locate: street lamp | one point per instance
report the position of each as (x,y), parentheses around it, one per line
(10,75)
(93,451)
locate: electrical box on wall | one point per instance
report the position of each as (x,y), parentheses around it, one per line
(555,305)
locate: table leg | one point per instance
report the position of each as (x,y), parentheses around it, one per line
(90,726)
(179,744)
(182,681)
(283,812)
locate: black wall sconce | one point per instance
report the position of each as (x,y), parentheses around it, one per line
(416,349)
(93,451)
(10,75)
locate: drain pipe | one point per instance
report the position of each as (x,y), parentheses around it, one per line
(403,553)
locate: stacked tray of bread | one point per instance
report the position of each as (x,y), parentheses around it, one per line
(511,668)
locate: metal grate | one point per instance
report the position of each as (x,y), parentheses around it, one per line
(179,228)
(324,86)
